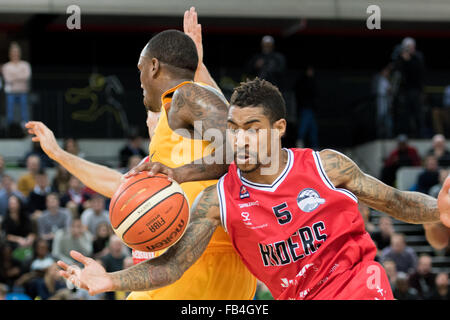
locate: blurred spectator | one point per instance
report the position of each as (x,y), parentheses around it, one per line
(49,285)
(441,114)
(382,236)
(27,181)
(268,64)
(391,272)
(402,289)
(405,257)
(8,190)
(96,214)
(365,213)
(3,291)
(78,239)
(441,291)
(113,261)
(10,267)
(2,167)
(439,150)
(36,150)
(423,280)
(76,198)
(60,182)
(434,190)
(410,64)
(101,239)
(53,218)
(71,145)
(37,198)
(383,93)
(17,75)
(404,155)
(306,95)
(42,258)
(133,161)
(133,147)
(430,175)
(17,226)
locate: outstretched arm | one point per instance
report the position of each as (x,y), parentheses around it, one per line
(158,272)
(99,178)
(411,207)
(194,30)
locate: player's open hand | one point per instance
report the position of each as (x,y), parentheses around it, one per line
(444,202)
(44,136)
(153,168)
(193,29)
(93,277)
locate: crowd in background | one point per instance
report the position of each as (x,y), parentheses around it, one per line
(42,219)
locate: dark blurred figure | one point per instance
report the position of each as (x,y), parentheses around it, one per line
(383,96)
(10,267)
(133,147)
(77,197)
(71,145)
(37,198)
(434,190)
(382,236)
(440,111)
(405,257)
(36,150)
(60,182)
(7,190)
(430,176)
(423,280)
(441,291)
(410,65)
(306,96)
(403,156)
(402,289)
(439,150)
(268,64)
(17,226)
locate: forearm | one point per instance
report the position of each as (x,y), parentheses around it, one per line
(202,75)
(200,171)
(437,235)
(407,206)
(99,178)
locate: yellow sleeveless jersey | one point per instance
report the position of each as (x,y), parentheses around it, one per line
(219,274)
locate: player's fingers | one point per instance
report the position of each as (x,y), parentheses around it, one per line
(35,139)
(79,257)
(62,265)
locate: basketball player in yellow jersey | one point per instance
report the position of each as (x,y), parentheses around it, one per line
(167,65)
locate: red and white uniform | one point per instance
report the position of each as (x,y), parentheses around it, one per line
(301,236)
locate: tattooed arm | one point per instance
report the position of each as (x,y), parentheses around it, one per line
(158,272)
(411,207)
(204,111)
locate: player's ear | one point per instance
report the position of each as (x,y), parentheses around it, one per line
(154,67)
(281,126)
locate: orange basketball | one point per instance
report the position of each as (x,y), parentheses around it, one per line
(149,213)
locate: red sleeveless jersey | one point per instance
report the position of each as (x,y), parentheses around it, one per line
(297,234)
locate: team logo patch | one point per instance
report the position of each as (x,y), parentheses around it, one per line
(309,200)
(243,193)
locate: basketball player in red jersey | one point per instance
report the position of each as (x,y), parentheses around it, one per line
(296,228)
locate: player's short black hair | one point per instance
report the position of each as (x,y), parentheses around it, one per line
(174,48)
(260,93)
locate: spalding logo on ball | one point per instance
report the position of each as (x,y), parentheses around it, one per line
(149,213)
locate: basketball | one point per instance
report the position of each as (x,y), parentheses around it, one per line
(149,213)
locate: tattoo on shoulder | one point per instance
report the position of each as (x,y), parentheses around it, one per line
(204,105)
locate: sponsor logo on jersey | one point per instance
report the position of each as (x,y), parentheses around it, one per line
(248,204)
(309,200)
(243,193)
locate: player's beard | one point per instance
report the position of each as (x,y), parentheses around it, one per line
(251,166)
